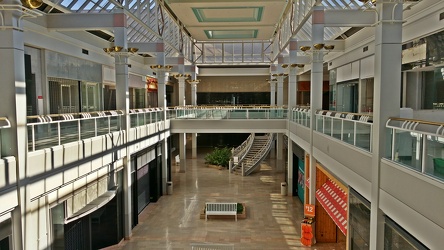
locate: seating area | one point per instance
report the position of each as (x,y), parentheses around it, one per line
(217,208)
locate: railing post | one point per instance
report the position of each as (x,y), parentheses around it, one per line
(354,133)
(243,172)
(109,124)
(58,132)
(393,144)
(342,129)
(33,137)
(424,153)
(79,130)
(95,126)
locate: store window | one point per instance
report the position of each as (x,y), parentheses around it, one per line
(5,235)
(58,226)
(359,221)
(395,237)
(433,89)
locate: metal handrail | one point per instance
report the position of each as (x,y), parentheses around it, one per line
(249,164)
(241,151)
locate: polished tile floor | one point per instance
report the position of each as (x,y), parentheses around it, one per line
(273,220)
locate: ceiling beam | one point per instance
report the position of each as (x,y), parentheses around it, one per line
(349,18)
(80,21)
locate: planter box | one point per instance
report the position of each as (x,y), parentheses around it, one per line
(243,215)
(216,167)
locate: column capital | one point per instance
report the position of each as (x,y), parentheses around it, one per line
(161,68)
(193,82)
(181,77)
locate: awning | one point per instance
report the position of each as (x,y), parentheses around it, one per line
(97,203)
(334,200)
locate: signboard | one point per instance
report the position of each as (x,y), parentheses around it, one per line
(309,210)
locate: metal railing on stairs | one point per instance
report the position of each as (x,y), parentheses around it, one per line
(249,165)
(238,154)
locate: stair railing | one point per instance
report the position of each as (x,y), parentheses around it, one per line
(250,164)
(238,153)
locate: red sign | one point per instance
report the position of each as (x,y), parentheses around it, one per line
(309,210)
(307,183)
(39,97)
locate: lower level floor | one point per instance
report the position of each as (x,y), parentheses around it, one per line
(273,221)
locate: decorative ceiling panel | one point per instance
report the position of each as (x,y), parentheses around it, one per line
(228,14)
(231,34)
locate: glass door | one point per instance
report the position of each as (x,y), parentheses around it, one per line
(347,100)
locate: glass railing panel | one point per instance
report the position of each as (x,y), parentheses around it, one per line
(319,123)
(114,123)
(102,125)
(348,132)
(133,120)
(262,114)
(434,164)
(363,135)
(42,136)
(88,128)
(239,114)
(327,125)
(69,132)
(407,148)
(337,128)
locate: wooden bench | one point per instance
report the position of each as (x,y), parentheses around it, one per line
(217,208)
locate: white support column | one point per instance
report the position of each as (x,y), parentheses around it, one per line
(292,97)
(388,37)
(292,75)
(315,89)
(272,82)
(181,79)
(280,137)
(193,84)
(122,103)
(13,96)
(183,152)
(162,77)
(290,167)
(272,92)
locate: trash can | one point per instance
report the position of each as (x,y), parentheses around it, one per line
(283,188)
(169,187)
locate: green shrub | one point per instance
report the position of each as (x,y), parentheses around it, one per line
(219,156)
(240,208)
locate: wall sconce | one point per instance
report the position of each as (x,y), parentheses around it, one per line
(304,48)
(159,67)
(181,75)
(318,46)
(299,65)
(31,4)
(119,50)
(196,81)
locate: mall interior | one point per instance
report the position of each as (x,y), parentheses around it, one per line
(105,100)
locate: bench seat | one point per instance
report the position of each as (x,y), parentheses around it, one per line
(218,208)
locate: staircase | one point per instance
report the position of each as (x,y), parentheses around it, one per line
(258,150)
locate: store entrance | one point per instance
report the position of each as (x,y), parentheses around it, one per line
(348,97)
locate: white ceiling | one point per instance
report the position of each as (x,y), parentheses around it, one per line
(209,20)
